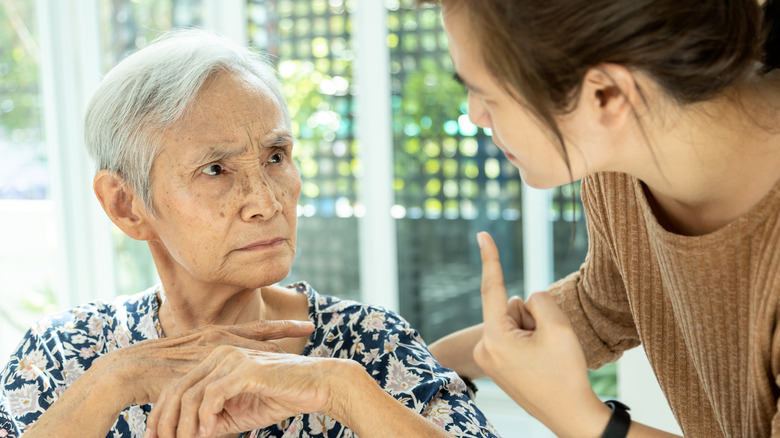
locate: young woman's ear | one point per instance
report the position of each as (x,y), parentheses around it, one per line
(610,91)
(121,205)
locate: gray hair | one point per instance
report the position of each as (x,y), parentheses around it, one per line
(151,90)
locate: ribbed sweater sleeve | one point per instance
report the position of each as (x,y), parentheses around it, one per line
(594,298)
(706,307)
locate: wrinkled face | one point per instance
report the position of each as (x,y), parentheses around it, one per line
(225,188)
(524,140)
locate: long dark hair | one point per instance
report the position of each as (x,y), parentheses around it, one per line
(540,50)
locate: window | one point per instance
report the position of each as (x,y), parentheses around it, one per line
(28,226)
(311,41)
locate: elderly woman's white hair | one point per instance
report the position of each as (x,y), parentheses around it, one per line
(151,89)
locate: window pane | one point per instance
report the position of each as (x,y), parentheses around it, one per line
(28,226)
(127,26)
(451,181)
(22,144)
(312,42)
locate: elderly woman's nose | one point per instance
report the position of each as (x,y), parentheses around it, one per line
(260,200)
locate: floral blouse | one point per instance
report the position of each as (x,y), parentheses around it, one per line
(58,349)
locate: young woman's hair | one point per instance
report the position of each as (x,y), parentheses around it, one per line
(540,50)
(151,90)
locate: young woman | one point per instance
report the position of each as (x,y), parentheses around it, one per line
(667,111)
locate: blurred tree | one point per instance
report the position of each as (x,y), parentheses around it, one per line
(20,109)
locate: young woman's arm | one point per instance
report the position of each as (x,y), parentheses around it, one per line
(454,351)
(540,365)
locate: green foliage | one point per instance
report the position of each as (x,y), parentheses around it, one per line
(20,111)
(429,98)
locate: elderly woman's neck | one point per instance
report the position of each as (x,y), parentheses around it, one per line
(182,311)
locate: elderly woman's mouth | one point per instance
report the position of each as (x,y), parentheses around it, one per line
(263,244)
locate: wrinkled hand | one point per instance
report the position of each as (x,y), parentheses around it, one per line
(146,368)
(531,351)
(239,389)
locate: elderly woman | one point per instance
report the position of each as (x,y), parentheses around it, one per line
(194,152)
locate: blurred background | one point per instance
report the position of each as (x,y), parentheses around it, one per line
(396,180)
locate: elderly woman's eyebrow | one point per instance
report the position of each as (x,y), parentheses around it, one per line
(279,141)
(218,154)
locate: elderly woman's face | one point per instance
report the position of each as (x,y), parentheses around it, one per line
(225,187)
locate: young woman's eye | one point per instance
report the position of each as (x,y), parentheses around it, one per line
(276,158)
(213,169)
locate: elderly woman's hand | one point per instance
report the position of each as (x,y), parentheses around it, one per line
(153,365)
(137,374)
(238,389)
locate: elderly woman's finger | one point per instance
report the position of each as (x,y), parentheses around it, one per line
(216,394)
(269,330)
(164,418)
(494,301)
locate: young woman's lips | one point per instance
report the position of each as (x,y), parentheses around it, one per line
(263,244)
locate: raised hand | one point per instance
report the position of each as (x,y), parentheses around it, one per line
(531,351)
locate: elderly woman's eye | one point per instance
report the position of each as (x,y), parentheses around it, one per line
(276,158)
(213,169)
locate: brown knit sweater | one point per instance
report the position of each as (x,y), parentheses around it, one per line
(704,308)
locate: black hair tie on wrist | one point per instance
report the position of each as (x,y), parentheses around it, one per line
(619,422)
(471,386)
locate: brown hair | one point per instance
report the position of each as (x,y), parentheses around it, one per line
(541,50)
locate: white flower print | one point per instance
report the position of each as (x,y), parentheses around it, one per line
(71,370)
(95,325)
(31,366)
(373,321)
(80,315)
(122,337)
(86,353)
(320,424)
(391,343)
(295,428)
(146,326)
(136,420)
(439,411)
(371,356)
(400,380)
(24,400)
(321,351)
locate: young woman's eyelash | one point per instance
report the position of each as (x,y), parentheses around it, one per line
(458,79)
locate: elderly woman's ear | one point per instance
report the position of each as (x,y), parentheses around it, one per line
(120,203)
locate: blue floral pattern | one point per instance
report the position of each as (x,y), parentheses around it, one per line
(60,348)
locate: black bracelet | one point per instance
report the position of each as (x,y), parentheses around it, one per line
(470,385)
(619,422)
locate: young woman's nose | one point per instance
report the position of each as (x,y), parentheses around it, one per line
(478,113)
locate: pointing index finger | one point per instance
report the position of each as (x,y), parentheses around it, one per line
(494,299)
